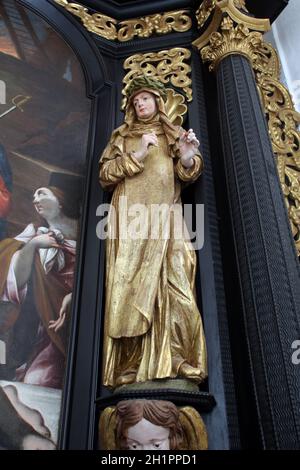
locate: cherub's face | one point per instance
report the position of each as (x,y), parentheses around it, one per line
(147,436)
(144,104)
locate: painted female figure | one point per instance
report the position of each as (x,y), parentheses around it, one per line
(153,328)
(36,289)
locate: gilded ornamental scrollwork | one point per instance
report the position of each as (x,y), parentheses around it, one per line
(208,6)
(170,66)
(230,25)
(204,11)
(231,31)
(144,27)
(241,5)
(97,23)
(283,122)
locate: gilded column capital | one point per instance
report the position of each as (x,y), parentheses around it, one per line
(231,30)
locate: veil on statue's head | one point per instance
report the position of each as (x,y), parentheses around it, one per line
(171,109)
(157,88)
(151,85)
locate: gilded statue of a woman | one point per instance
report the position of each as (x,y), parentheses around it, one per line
(153,328)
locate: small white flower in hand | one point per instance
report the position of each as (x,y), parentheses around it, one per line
(188,144)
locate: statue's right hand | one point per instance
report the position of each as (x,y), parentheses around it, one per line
(146,140)
(45,240)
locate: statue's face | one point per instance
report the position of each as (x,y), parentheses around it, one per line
(46,203)
(144,104)
(147,436)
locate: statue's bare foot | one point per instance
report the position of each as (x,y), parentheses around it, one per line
(127,377)
(190,372)
(31,416)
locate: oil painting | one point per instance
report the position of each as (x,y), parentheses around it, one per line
(44,121)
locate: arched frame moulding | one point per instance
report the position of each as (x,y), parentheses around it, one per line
(77,422)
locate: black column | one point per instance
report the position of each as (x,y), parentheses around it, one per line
(266,258)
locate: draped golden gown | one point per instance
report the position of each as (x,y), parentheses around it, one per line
(152,323)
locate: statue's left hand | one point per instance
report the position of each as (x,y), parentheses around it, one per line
(188,145)
(65,308)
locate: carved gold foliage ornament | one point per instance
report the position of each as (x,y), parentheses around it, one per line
(144,27)
(241,5)
(204,11)
(159,23)
(233,32)
(95,23)
(208,6)
(167,66)
(266,62)
(175,107)
(283,122)
(231,40)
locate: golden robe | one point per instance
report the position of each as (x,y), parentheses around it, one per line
(152,323)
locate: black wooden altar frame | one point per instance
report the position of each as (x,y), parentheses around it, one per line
(236,419)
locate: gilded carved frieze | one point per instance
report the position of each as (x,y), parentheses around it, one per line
(170,66)
(283,122)
(97,23)
(109,28)
(145,27)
